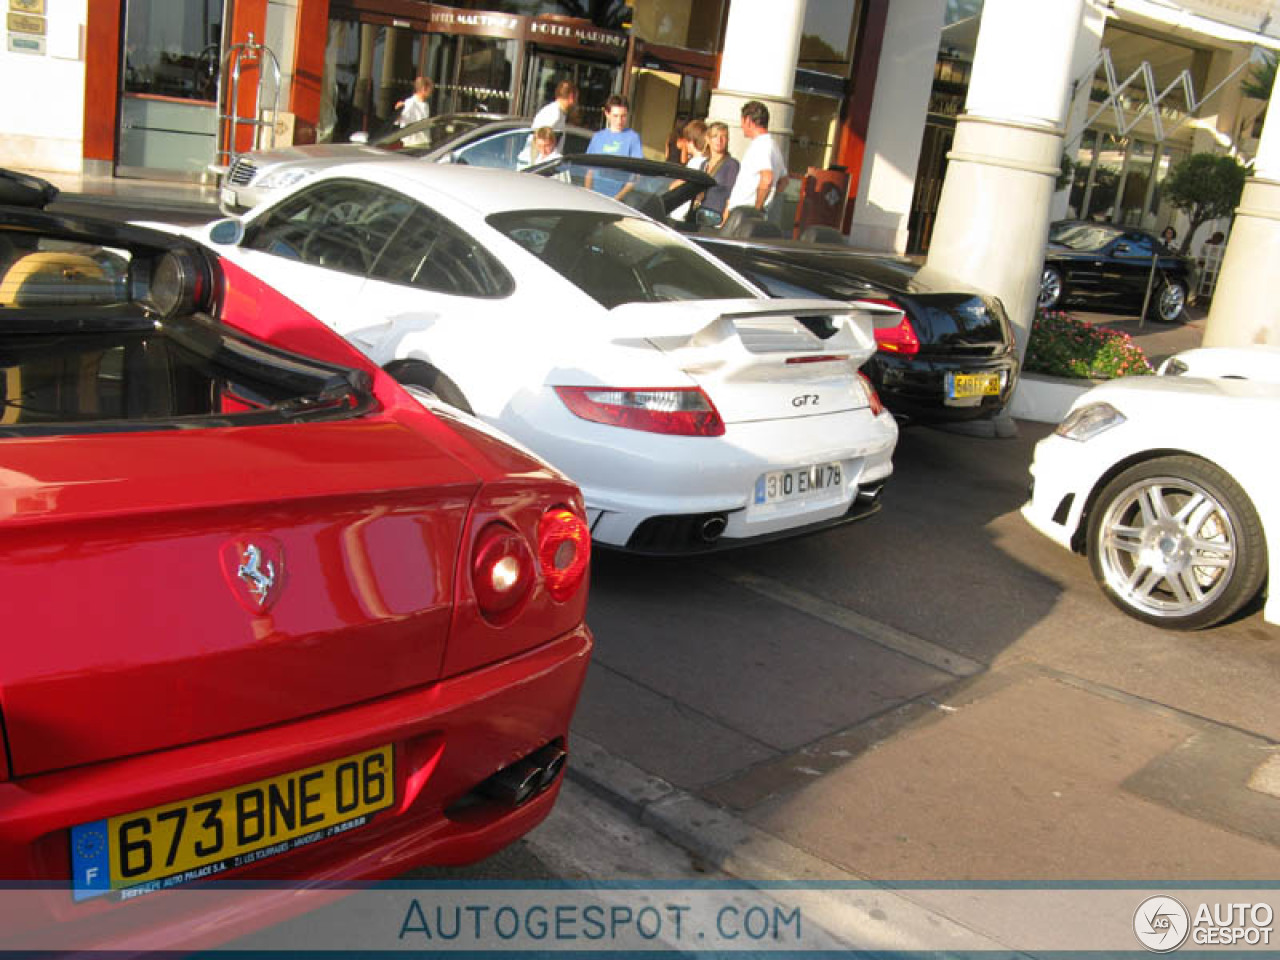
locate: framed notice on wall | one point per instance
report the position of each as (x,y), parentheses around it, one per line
(28,6)
(25,23)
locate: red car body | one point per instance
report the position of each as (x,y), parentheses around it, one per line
(157,668)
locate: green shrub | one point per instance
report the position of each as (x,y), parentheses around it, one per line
(1063,346)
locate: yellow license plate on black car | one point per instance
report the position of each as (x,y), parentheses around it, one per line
(960,385)
(207,835)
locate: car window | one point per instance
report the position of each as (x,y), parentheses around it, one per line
(575,143)
(1134,245)
(432,253)
(430,133)
(1086,236)
(337,224)
(618,259)
(46,271)
(500,150)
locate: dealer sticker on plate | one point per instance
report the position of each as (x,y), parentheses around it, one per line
(204,836)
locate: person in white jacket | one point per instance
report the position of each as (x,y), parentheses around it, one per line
(415,108)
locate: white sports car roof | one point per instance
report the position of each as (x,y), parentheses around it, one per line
(483,189)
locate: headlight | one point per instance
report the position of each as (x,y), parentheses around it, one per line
(1087,422)
(283,178)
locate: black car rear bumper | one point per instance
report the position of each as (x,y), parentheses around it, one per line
(915,390)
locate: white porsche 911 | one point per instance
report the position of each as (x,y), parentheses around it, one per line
(694,412)
(1168,484)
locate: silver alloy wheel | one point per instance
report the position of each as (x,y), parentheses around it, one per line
(1050,288)
(1173,298)
(1168,547)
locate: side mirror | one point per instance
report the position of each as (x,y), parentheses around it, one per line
(227,233)
(707,218)
(360,136)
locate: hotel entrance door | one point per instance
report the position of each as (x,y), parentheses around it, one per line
(595,81)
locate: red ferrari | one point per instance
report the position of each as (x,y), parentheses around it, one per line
(270,618)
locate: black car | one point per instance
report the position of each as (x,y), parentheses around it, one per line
(1099,266)
(948,357)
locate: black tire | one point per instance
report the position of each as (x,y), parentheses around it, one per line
(422,375)
(1051,288)
(1150,526)
(1168,302)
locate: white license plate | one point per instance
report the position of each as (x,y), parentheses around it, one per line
(228,196)
(798,483)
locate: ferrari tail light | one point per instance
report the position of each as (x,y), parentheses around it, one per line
(873,398)
(564,551)
(679,411)
(502,572)
(900,338)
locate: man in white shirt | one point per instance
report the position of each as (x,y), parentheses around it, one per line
(762,164)
(556,113)
(415,108)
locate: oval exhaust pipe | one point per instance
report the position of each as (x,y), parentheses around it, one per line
(515,784)
(713,527)
(554,764)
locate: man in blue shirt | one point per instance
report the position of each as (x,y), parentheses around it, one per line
(617,140)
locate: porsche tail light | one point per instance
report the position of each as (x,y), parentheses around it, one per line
(873,398)
(679,411)
(564,551)
(900,338)
(502,572)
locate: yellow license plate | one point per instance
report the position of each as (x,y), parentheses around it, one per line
(207,835)
(961,385)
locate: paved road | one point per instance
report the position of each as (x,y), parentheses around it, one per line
(946,680)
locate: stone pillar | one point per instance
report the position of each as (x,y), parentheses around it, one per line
(761,50)
(903,82)
(993,215)
(1245,308)
(1088,45)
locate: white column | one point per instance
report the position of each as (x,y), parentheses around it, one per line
(903,82)
(1088,45)
(761,50)
(993,215)
(1245,308)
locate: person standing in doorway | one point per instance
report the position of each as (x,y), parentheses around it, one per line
(556,113)
(418,106)
(762,165)
(617,139)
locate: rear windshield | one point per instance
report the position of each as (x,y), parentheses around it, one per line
(82,349)
(617,259)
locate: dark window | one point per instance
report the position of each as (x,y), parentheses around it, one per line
(434,254)
(172,48)
(616,259)
(338,224)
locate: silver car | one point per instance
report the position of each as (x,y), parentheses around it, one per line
(479,139)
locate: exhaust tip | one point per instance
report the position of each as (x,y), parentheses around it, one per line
(712,527)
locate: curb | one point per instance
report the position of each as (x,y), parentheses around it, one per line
(133,207)
(861,914)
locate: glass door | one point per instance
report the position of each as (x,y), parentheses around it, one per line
(595,81)
(369,67)
(169,87)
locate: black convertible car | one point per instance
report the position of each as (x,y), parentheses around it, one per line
(1098,266)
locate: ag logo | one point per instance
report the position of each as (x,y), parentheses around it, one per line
(1161,924)
(255,571)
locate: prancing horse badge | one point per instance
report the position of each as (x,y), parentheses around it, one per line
(254,568)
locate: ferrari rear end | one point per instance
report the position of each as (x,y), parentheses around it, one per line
(271,620)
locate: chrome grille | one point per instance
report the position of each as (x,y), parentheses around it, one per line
(242,172)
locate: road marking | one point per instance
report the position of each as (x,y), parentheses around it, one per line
(881,634)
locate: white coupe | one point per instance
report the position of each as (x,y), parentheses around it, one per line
(694,412)
(1168,484)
